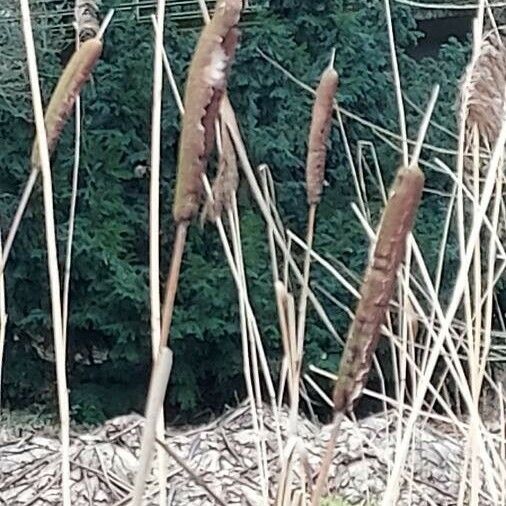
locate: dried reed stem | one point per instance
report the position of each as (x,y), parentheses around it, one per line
(52,253)
(72,210)
(155,424)
(169,73)
(172,280)
(157,389)
(18,216)
(3,324)
(326,461)
(269,196)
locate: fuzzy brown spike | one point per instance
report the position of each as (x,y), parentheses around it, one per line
(487,85)
(378,286)
(319,133)
(62,101)
(207,80)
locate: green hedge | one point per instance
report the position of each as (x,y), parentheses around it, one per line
(109,299)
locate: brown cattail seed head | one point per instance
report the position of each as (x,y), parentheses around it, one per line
(486,102)
(378,286)
(207,80)
(60,106)
(486,93)
(318,135)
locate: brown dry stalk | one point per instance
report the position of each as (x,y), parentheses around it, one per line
(378,286)
(226,181)
(319,133)
(206,84)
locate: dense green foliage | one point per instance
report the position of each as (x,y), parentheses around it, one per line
(109,298)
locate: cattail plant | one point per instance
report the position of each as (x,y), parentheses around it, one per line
(377,289)
(485,103)
(61,104)
(321,124)
(378,286)
(205,86)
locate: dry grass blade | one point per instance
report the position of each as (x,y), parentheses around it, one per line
(157,389)
(54,278)
(3,325)
(155,425)
(378,286)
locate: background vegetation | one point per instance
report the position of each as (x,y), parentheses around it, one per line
(109,314)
